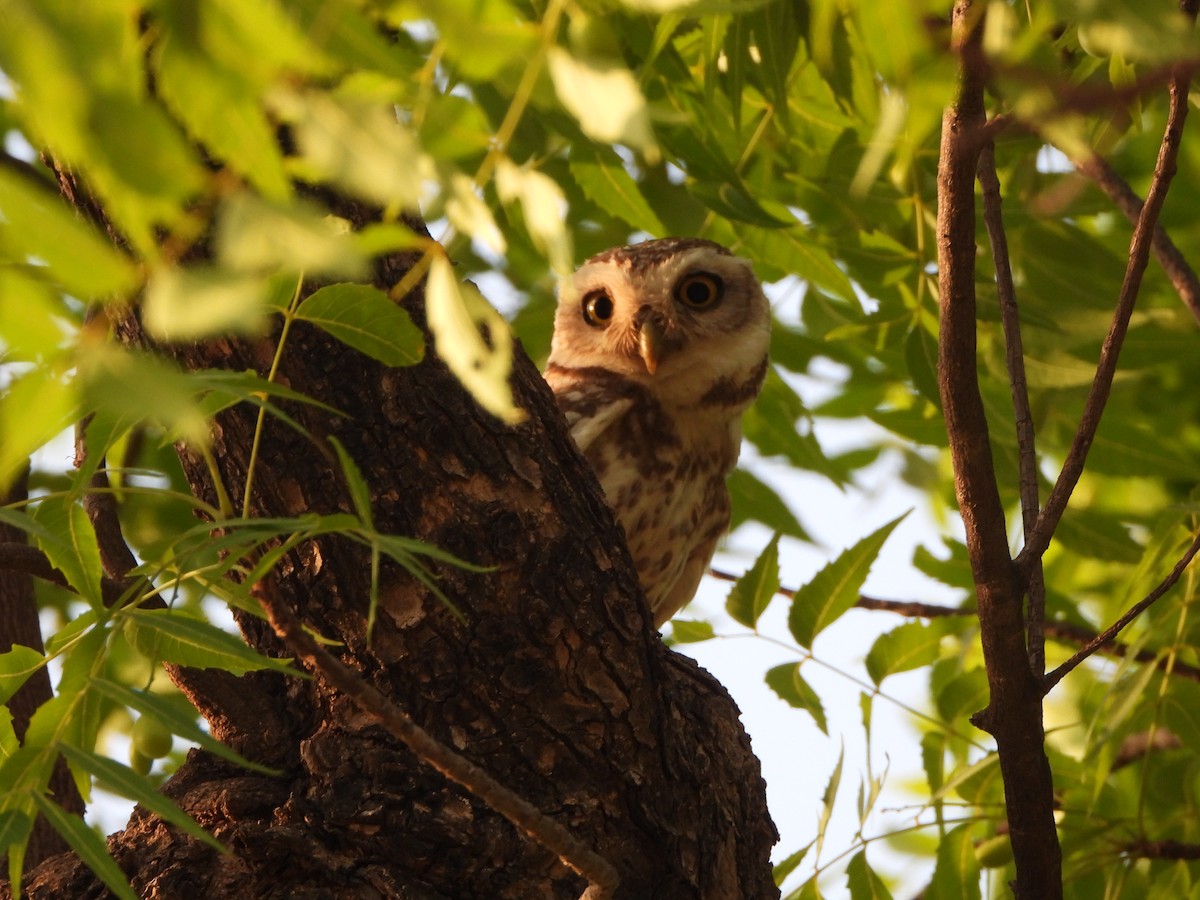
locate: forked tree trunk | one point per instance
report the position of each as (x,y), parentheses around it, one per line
(554,682)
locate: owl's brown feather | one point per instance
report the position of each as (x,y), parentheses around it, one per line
(654,393)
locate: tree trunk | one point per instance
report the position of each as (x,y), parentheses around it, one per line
(553,681)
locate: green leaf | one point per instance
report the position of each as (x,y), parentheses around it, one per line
(360,494)
(964,694)
(33,409)
(602,177)
(956,875)
(472,339)
(686,631)
(219,108)
(864,884)
(754,501)
(903,649)
(735,203)
(342,31)
(38,223)
(71,544)
(828,799)
(15,668)
(605,98)
(258,236)
(771,425)
(180,638)
(836,587)
(366,319)
(14,828)
(130,387)
(123,781)
(87,844)
(752,592)
(150,704)
(789,864)
(785,681)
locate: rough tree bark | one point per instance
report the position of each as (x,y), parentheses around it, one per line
(554,681)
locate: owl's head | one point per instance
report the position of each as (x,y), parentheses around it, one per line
(662,313)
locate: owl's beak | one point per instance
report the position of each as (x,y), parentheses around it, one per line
(650,344)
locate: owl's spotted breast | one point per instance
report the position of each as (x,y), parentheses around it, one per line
(658,349)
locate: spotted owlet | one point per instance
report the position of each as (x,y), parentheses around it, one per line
(658,349)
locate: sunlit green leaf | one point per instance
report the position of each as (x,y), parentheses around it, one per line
(16,666)
(754,590)
(905,648)
(684,631)
(862,881)
(457,313)
(88,844)
(604,96)
(603,179)
(956,876)
(785,681)
(836,587)
(70,544)
(755,501)
(42,227)
(366,319)
(177,637)
(184,726)
(124,781)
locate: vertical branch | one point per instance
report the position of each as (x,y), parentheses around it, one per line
(1010,320)
(1110,351)
(1014,712)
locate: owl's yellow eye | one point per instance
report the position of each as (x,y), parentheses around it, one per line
(700,290)
(597,308)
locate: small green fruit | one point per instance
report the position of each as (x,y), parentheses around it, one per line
(139,762)
(151,738)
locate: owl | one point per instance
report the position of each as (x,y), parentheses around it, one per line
(658,349)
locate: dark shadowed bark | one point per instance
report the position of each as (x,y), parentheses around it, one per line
(553,680)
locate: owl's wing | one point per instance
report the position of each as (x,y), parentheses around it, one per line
(586,428)
(590,406)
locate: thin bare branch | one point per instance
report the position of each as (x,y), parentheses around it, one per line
(1139,253)
(602,877)
(1132,613)
(1010,320)
(1161,850)
(1182,276)
(1063,632)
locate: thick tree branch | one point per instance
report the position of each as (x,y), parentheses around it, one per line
(602,877)
(1010,320)
(1139,252)
(1132,613)
(1014,712)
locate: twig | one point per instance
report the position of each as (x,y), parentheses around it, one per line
(602,877)
(1132,613)
(1139,253)
(1182,276)
(1010,320)
(17,557)
(1161,850)
(1064,632)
